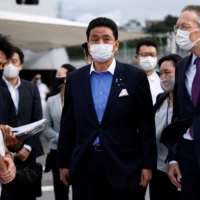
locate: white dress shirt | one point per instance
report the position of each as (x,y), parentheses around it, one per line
(154,82)
(14,91)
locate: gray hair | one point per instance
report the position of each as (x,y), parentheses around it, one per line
(196,9)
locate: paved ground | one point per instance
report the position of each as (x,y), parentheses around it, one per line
(47,183)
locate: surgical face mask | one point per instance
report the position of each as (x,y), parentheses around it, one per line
(38,81)
(183,39)
(59,82)
(167,84)
(101,52)
(10,71)
(148,63)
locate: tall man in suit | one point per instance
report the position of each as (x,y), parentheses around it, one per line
(106,147)
(26,98)
(185,159)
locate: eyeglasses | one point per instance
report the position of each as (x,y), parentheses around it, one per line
(182,27)
(145,54)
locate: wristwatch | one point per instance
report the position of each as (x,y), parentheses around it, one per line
(11,153)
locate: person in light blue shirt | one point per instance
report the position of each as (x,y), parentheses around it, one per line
(107,146)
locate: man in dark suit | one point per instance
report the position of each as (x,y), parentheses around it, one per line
(106,147)
(185,159)
(26,98)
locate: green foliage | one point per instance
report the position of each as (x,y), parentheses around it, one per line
(164,26)
(75,53)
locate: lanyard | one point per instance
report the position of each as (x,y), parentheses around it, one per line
(167,113)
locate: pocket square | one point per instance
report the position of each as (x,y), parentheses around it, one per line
(123,93)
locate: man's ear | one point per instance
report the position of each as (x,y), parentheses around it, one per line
(20,67)
(116,46)
(137,58)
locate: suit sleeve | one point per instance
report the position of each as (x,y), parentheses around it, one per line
(67,130)
(146,123)
(12,118)
(36,115)
(49,131)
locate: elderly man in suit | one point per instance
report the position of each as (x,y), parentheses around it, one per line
(26,99)
(107,145)
(185,159)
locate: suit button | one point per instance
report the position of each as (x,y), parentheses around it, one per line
(100,129)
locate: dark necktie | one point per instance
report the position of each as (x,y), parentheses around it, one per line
(195,89)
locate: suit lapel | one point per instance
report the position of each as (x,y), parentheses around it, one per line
(85,82)
(183,85)
(21,96)
(115,89)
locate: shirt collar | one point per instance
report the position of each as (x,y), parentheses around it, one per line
(193,59)
(110,69)
(10,85)
(153,76)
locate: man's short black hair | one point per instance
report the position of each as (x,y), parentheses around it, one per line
(6,46)
(68,67)
(174,58)
(105,22)
(145,42)
(20,53)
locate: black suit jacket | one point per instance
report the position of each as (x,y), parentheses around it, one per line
(7,109)
(184,113)
(126,133)
(29,110)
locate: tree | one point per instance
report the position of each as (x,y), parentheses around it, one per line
(164,26)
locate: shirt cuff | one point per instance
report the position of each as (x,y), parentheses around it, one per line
(27,147)
(172,162)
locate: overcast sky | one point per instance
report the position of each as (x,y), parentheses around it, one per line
(120,11)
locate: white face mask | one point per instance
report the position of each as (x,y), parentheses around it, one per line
(183,39)
(148,63)
(101,52)
(10,71)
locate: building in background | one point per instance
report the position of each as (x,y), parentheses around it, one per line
(132,26)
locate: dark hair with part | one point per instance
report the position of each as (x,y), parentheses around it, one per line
(145,42)
(68,67)
(6,46)
(195,8)
(20,53)
(174,58)
(102,22)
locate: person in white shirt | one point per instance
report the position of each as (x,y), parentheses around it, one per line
(26,98)
(147,58)
(43,89)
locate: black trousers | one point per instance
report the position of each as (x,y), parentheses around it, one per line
(190,170)
(61,192)
(162,188)
(24,195)
(92,183)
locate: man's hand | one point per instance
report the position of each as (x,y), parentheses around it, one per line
(9,137)
(173,173)
(10,173)
(22,154)
(64,175)
(145,177)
